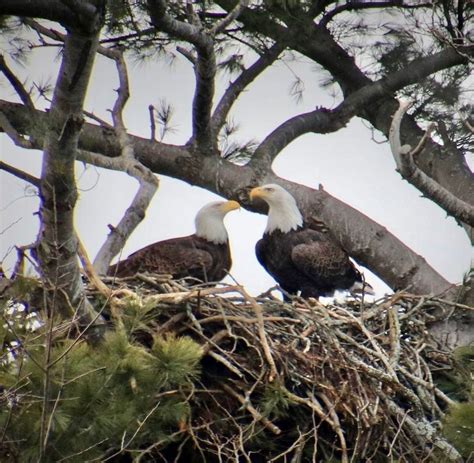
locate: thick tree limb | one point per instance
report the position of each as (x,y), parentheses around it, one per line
(63,12)
(325,121)
(369,243)
(404,158)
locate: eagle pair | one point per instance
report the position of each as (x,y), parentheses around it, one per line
(300,256)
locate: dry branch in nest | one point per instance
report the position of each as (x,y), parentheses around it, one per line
(351,382)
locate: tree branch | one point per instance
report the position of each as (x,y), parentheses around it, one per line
(366,241)
(21,174)
(16,84)
(404,154)
(317,121)
(325,121)
(57,243)
(205,70)
(54,10)
(148,183)
(13,134)
(229,18)
(246,77)
(353,6)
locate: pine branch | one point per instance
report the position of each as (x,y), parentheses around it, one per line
(326,121)
(362,5)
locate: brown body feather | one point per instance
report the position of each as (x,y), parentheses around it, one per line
(187,256)
(308,260)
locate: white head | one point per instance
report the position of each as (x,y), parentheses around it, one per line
(283,214)
(210,221)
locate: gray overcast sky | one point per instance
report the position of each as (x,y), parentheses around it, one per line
(348,164)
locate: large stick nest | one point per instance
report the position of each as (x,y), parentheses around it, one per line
(301,381)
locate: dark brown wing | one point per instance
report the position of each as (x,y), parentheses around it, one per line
(178,257)
(321,260)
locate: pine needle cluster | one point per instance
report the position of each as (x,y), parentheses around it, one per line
(90,401)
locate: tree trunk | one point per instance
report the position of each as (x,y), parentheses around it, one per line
(57,241)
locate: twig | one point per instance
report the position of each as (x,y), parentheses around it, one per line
(394,335)
(90,272)
(252,410)
(261,332)
(151,111)
(16,84)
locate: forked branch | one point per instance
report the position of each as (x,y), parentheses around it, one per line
(148,182)
(404,158)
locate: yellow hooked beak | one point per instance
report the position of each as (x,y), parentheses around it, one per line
(257,192)
(230,206)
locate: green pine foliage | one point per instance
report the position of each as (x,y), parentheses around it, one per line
(458,425)
(459,428)
(275,402)
(100,399)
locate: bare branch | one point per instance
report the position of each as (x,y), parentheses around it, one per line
(13,134)
(187,54)
(20,174)
(148,182)
(403,155)
(236,88)
(151,110)
(16,84)
(320,120)
(205,69)
(234,14)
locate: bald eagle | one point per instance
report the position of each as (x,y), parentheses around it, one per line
(301,256)
(204,255)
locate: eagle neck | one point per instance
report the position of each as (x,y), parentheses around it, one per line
(212,229)
(284,216)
